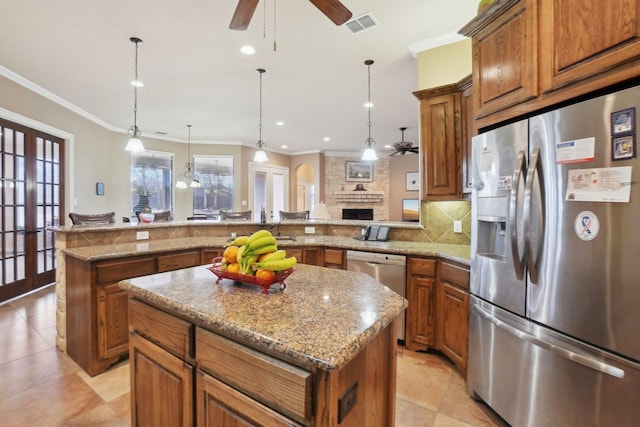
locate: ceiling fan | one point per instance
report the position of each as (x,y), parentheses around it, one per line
(403,146)
(333,9)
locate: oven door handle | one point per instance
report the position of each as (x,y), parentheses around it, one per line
(582,359)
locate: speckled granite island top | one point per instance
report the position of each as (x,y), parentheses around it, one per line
(324,317)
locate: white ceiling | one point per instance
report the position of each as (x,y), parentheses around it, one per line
(315,81)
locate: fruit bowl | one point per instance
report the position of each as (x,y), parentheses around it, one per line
(216,268)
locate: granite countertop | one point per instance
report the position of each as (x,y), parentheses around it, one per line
(452,252)
(324,317)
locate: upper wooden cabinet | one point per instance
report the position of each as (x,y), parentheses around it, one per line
(445,138)
(532,54)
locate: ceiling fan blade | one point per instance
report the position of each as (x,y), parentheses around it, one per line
(395,152)
(334,10)
(243,14)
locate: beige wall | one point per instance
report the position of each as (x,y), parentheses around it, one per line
(398,167)
(445,64)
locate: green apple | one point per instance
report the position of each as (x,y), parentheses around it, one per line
(484,4)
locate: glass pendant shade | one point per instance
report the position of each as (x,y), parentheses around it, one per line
(135,144)
(181,184)
(369,154)
(189,174)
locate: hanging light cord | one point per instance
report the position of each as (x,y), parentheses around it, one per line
(260,143)
(189,149)
(370,140)
(134,131)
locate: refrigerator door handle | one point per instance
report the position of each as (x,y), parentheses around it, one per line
(532,254)
(582,359)
(518,258)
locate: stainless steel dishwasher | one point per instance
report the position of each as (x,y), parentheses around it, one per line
(386,269)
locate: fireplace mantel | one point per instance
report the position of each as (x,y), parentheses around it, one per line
(359,196)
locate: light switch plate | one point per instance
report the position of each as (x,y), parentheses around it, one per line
(309,230)
(457,226)
(142,235)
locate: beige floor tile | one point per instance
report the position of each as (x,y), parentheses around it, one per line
(15,346)
(122,406)
(110,384)
(50,403)
(409,414)
(31,371)
(42,319)
(445,421)
(102,416)
(422,379)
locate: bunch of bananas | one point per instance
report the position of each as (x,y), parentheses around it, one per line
(256,255)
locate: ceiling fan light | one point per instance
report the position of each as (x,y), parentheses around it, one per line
(134,145)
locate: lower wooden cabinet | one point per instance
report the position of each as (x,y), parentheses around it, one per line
(438,312)
(96,310)
(161,386)
(220,405)
(306,254)
(335,258)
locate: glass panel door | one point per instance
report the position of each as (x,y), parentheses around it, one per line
(30,200)
(269,188)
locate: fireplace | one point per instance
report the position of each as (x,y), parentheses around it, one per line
(364,214)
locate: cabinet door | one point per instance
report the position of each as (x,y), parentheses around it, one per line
(421,318)
(334,258)
(221,405)
(468,132)
(161,386)
(177,261)
(209,254)
(439,118)
(505,58)
(313,256)
(113,321)
(581,38)
(453,323)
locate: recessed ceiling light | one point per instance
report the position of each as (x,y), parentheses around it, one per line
(279,123)
(368,104)
(326,138)
(247,50)
(387,146)
(137,83)
(284,146)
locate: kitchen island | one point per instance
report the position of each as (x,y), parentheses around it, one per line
(319,353)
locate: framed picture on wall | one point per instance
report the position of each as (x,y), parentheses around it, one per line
(413,181)
(359,171)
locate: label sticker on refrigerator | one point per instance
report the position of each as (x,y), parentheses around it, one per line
(611,185)
(484,165)
(504,183)
(576,151)
(586,225)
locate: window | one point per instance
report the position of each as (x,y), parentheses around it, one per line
(151,181)
(215,174)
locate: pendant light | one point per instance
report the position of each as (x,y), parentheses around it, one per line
(189,169)
(261,155)
(369,153)
(135,144)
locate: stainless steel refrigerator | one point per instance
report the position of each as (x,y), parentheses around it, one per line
(555,266)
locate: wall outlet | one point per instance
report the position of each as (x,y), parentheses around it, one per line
(309,230)
(142,235)
(457,226)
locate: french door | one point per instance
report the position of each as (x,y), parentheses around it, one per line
(31,199)
(268,188)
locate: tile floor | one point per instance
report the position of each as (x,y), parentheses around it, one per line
(41,386)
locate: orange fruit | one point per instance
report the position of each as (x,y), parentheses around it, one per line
(231,254)
(265,274)
(233,268)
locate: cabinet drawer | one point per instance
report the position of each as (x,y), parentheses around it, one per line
(169,332)
(455,274)
(114,271)
(422,267)
(333,256)
(177,261)
(274,383)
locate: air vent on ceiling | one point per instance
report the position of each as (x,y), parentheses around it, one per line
(361,23)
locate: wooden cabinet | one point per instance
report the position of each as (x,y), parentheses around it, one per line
(446,128)
(162,384)
(335,258)
(453,312)
(208,254)
(440,141)
(580,39)
(183,375)
(421,294)
(96,310)
(306,255)
(532,54)
(438,312)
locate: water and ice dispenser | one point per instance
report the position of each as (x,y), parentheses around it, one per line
(492,226)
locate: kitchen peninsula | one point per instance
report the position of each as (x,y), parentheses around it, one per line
(321,352)
(92,318)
